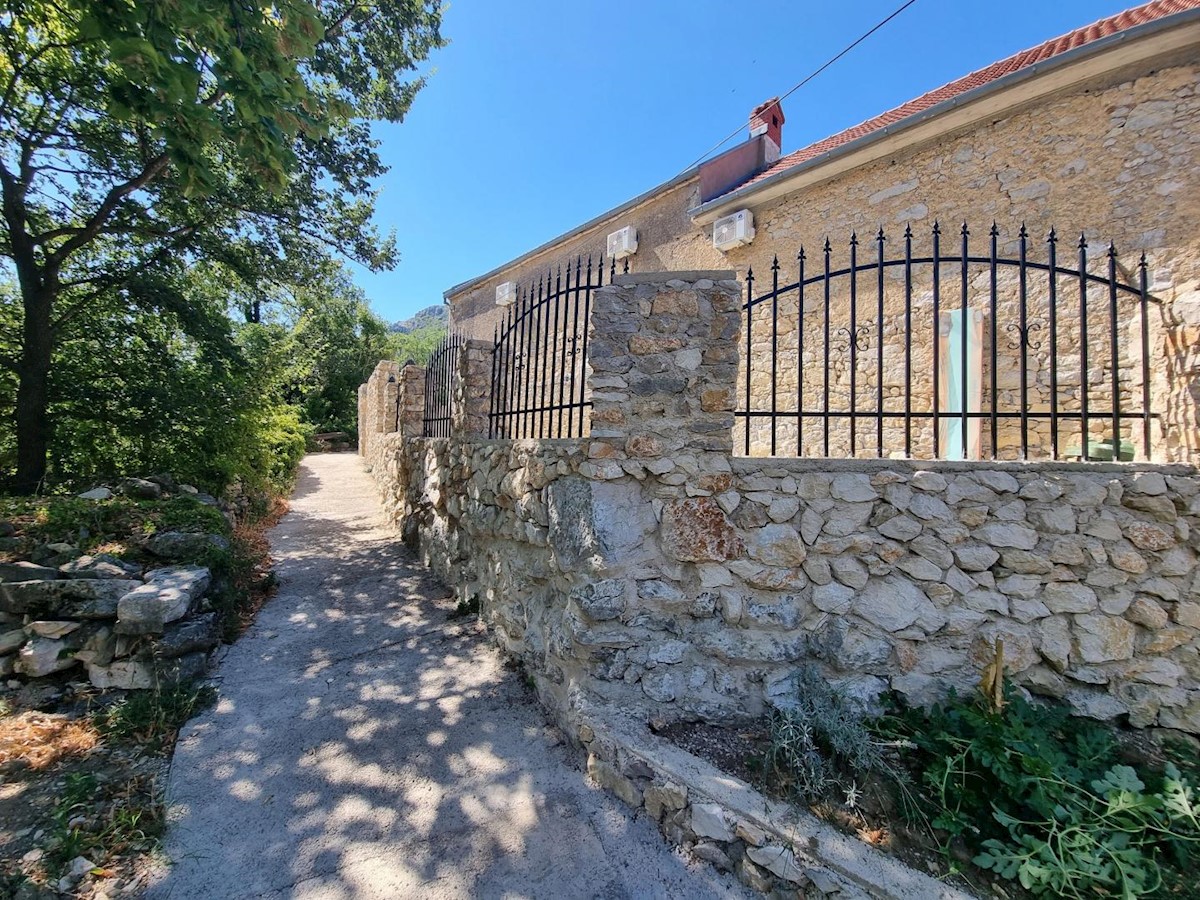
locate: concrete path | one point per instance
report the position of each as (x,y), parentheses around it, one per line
(365,745)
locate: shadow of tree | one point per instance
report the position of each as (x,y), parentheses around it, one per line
(366,744)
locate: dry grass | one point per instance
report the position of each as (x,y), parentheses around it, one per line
(258,584)
(42,739)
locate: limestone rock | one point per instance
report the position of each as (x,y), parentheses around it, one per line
(1149,536)
(1069,597)
(1007,534)
(167,595)
(197,634)
(708,821)
(697,530)
(975,557)
(11,640)
(124,674)
(26,571)
(900,528)
(1103,638)
(55,554)
(777,545)
(779,861)
(1147,612)
(1095,705)
(664,798)
(77,598)
(102,565)
(601,600)
(894,604)
(43,656)
(185,545)
(96,493)
(140,489)
(853,488)
(54,630)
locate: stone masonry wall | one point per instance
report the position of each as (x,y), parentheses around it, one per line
(647,567)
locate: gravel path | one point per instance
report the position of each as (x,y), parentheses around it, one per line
(365,745)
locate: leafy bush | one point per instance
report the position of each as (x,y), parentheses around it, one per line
(821,741)
(1044,798)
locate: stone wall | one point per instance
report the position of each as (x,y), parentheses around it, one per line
(647,567)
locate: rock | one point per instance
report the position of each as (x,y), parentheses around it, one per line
(930,508)
(975,557)
(76,598)
(197,634)
(1103,638)
(1188,614)
(900,528)
(43,656)
(52,629)
(926,480)
(26,571)
(833,598)
(167,595)
(102,565)
(165,480)
(96,493)
(55,554)
(1148,536)
(783,509)
(1000,482)
(1148,613)
(1007,534)
(777,545)
(1069,597)
(779,861)
(601,600)
(1149,483)
(849,571)
(80,866)
(853,488)
(99,648)
(1054,519)
(708,821)
(1019,653)
(697,530)
(124,674)
(140,489)
(662,685)
(1094,705)
(185,545)
(665,798)
(11,640)
(1055,642)
(894,604)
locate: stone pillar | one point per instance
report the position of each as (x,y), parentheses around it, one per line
(472,389)
(411,401)
(362,419)
(664,357)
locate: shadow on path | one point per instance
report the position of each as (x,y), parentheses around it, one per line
(365,744)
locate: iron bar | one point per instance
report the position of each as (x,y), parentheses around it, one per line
(825,415)
(1113,349)
(1052,260)
(774,351)
(853,338)
(937,335)
(908,341)
(994,329)
(800,352)
(1086,450)
(749,348)
(879,239)
(1144,304)
(964,312)
(1023,338)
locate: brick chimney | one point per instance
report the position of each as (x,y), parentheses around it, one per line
(767,119)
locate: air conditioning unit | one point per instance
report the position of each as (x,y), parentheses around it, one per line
(734,230)
(506,293)
(622,243)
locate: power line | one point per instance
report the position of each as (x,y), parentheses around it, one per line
(807,79)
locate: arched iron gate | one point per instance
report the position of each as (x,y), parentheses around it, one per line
(889,357)
(539,359)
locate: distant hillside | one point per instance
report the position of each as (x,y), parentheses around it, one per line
(430,317)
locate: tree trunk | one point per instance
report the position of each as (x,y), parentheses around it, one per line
(33,393)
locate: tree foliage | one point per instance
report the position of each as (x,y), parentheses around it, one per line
(139,138)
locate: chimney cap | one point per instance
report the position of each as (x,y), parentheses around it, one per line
(767,119)
(761,110)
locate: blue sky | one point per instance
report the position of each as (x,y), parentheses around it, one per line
(541,115)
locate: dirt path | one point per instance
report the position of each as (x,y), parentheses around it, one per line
(366,746)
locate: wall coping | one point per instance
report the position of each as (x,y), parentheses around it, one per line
(665,277)
(756,464)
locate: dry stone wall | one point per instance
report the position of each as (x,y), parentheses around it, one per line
(647,567)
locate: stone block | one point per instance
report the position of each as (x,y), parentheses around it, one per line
(81,598)
(697,530)
(167,595)
(708,821)
(43,656)
(1103,638)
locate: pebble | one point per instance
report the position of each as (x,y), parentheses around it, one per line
(33,856)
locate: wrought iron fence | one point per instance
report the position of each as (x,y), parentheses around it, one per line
(934,354)
(441,374)
(539,359)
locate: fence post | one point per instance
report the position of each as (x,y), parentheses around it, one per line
(664,358)
(410,401)
(472,385)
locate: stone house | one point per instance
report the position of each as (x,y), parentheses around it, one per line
(1094,133)
(599,490)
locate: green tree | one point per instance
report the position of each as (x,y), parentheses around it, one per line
(136,137)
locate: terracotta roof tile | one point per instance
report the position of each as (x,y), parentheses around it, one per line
(1138,15)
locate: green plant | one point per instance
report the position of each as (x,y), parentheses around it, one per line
(153,718)
(1043,798)
(822,739)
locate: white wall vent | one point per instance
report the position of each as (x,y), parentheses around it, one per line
(734,230)
(622,243)
(506,293)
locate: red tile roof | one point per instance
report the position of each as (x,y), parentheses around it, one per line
(1138,15)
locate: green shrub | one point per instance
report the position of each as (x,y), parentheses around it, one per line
(1044,799)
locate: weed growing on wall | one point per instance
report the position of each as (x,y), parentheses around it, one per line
(1046,800)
